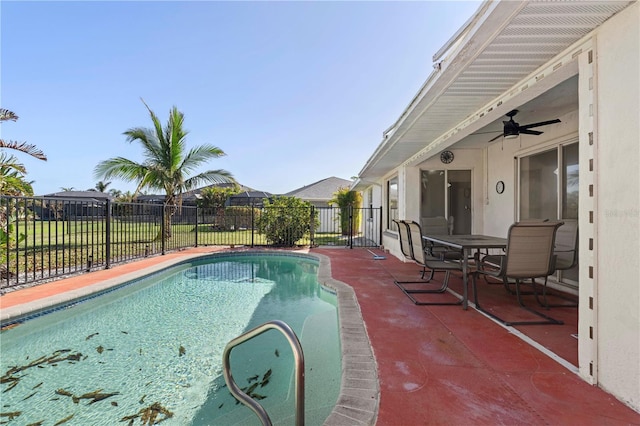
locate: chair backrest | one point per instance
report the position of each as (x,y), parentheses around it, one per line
(438,225)
(417,247)
(566,250)
(405,241)
(530,249)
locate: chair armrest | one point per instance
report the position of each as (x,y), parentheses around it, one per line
(491,264)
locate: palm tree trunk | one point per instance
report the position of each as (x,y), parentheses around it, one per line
(169,211)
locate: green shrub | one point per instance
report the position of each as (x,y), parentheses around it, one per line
(285,220)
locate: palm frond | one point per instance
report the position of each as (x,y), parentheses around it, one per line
(157,125)
(209,177)
(200,155)
(121,168)
(6,115)
(11,162)
(147,138)
(24,147)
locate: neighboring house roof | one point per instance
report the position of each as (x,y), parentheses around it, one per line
(496,62)
(80,195)
(246,198)
(321,190)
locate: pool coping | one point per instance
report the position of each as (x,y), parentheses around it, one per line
(359,396)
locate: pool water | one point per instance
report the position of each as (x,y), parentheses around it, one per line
(153,349)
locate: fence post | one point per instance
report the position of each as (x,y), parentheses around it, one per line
(312,223)
(380,227)
(107,230)
(196,226)
(253,225)
(350,231)
(8,213)
(162,227)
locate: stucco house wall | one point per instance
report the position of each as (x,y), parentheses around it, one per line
(617,217)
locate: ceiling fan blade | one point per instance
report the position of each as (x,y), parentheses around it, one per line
(542,123)
(497,137)
(530,132)
(486,133)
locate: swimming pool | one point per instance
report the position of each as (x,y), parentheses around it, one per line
(152,347)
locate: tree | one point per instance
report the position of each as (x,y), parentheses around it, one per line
(216,197)
(13,182)
(349,203)
(167,163)
(285,220)
(12,177)
(101,186)
(6,115)
(67,188)
(12,172)
(125,197)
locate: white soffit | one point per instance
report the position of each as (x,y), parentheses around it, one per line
(520,38)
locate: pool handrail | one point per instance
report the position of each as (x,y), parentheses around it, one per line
(298,356)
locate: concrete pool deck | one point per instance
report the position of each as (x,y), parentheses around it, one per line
(405,364)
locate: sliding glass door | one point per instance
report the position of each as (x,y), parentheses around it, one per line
(548,189)
(447,194)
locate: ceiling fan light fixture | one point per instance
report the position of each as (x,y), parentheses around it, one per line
(512,130)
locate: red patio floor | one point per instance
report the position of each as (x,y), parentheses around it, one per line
(441,364)
(444,365)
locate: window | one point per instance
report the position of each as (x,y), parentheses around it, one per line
(370,200)
(392,202)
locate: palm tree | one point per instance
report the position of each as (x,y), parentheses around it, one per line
(349,203)
(6,115)
(12,172)
(101,186)
(12,177)
(67,188)
(167,162)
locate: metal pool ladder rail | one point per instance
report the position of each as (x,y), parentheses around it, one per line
(298,357)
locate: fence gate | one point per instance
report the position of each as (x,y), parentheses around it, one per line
(348,227)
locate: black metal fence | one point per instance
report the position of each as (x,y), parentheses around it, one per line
(43,238)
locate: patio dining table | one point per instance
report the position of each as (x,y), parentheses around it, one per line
(467,244)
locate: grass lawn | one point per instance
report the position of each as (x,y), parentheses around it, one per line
(67,246)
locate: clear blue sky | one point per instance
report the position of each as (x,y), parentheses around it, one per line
(292,92)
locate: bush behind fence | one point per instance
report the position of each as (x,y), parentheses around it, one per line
(44,238)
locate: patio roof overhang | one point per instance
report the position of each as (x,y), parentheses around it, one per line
(478,77)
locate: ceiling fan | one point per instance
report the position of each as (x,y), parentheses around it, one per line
(513,129)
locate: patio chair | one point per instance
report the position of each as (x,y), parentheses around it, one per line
(405,246)
(566,252)
(439,225)
(529,255)
(411,236)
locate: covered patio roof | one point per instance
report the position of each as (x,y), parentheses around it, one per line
(497,62)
